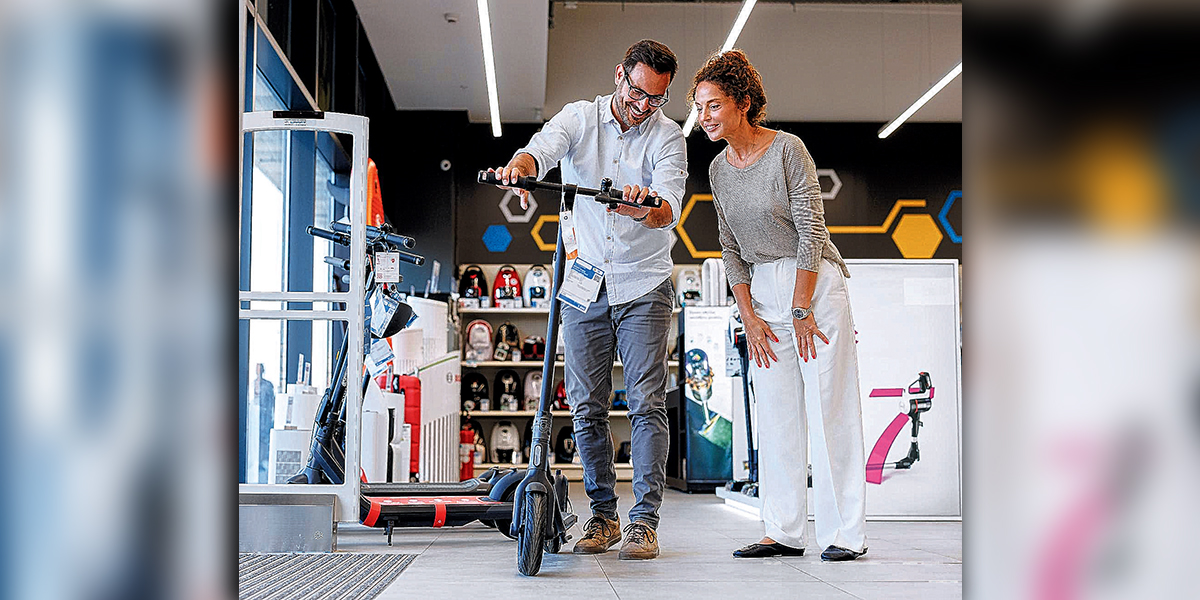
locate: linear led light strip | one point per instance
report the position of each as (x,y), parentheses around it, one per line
(489,65)
(738,24)
(937,87)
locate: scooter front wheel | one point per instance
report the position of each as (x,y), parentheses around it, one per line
(532,536)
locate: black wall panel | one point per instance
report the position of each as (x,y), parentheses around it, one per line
(418,195)
(921,161)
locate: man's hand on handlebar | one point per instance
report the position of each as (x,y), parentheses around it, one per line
(634,193)
(522,165)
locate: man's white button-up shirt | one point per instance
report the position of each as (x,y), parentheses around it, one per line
(587,138)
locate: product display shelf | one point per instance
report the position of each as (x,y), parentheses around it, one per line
(532,321)
(530,413)
(572,471)
(536,363)
(515,311)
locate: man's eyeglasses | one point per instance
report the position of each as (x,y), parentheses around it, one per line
(637,94)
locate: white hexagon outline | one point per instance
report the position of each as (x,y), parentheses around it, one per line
(509,216)
(837,183)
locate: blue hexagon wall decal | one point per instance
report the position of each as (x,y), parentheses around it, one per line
(497,238)
(954,196)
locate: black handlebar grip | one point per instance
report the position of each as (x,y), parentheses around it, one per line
(340,263)
(411,258)
(399,240)
(523,182)
(334,237)
(650,201)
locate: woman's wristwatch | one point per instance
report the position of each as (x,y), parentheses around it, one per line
(800,313)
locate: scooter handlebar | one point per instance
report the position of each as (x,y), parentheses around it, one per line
(344,239)
(392,238)
(611,196)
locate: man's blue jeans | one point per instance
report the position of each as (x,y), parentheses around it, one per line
(639,332)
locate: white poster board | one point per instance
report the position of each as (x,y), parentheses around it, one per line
(907,315)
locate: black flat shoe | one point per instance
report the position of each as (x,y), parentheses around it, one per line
(837,553)
(757,550)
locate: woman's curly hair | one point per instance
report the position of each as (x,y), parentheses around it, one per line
(732,72)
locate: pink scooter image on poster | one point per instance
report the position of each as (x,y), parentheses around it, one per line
(913,402)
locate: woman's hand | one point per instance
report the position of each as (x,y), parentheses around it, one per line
(757,335)
(805,329)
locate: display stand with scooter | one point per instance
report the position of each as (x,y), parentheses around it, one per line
(744,492)
(487,498)
(536,525)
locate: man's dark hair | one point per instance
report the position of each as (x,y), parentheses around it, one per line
(652,54)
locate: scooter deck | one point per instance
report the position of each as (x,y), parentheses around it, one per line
(452,511)
(470,487)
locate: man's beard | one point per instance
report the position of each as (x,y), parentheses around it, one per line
(625,114)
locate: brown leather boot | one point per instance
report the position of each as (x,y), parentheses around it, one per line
(641,542)
(599,534)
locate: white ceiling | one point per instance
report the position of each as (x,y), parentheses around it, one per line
(432,64)
(819,62)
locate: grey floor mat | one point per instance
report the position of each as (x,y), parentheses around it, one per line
(334,575)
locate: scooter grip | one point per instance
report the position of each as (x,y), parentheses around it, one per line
(411,258)
(648,202)
(523,182)
(400,240)
(339,263)
(334,237)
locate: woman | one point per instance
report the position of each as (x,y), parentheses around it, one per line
(790,284)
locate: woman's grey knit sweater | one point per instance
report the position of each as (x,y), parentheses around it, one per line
(770,210)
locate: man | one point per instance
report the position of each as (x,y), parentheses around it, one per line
(622,136)
(264,395)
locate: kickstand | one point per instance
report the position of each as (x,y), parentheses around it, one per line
(388,531)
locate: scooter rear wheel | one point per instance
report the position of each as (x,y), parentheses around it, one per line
(531,539)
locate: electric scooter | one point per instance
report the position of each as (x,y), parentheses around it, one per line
(749,486)
(487,498)
(537,527)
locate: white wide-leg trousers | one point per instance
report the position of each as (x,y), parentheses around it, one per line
(817,400)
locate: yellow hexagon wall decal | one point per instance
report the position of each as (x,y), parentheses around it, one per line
(536,232)
(683,234)
(917,236)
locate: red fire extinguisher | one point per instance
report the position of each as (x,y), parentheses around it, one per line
(466,454)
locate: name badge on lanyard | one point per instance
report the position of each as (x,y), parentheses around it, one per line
(581,286)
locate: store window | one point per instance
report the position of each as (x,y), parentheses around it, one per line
(291,180)
(324,197)
(266,249)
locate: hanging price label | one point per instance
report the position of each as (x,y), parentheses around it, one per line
(387,267)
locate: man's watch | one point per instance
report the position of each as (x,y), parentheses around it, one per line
(641,219)
(800,314)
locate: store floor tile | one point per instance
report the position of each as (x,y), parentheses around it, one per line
(697,533)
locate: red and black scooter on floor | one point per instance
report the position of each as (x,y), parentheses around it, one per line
(537,526)
(487,498)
